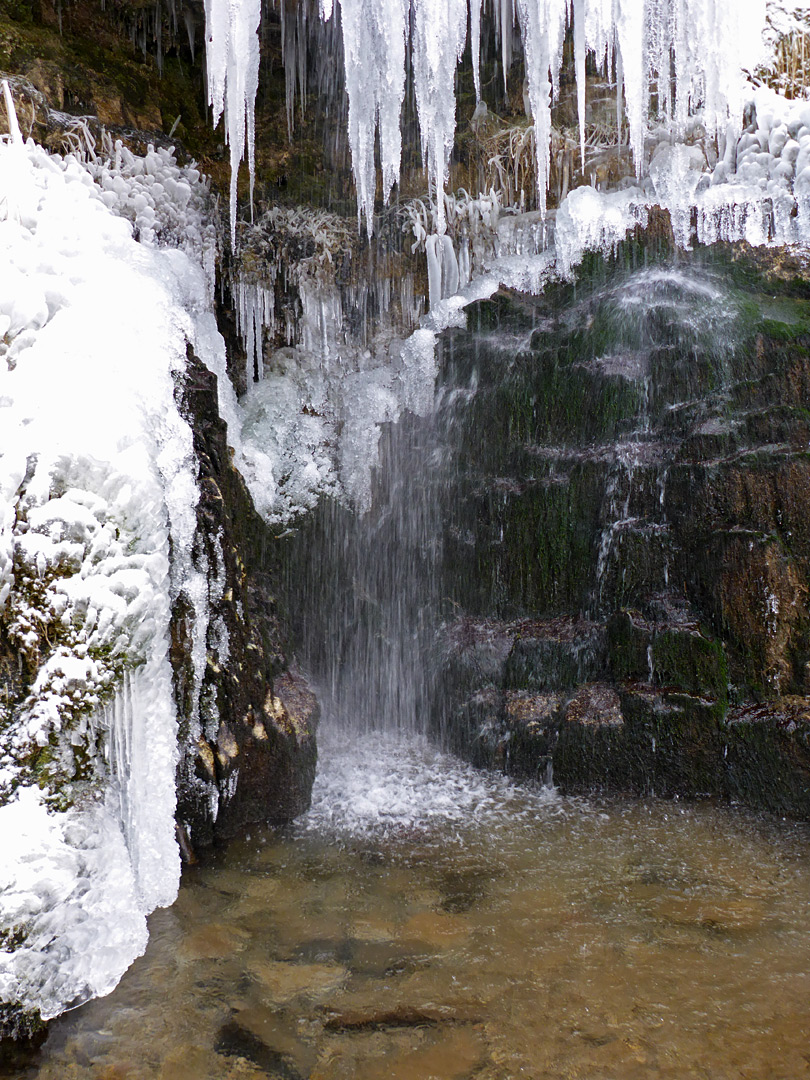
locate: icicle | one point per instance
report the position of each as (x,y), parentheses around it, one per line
(374,36)
(439,34)
(450,268)
(617,59)
(255,311)
(632,42)
(543,27)
(188,19)
(579,65)
(11,112)
(475,45)
(505,20)
(710,41)
(232,50)
(142,755)
(433,252)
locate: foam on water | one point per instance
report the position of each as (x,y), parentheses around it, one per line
(384,785)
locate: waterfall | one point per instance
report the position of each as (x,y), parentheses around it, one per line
(366,610)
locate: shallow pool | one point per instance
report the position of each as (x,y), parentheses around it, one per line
(426,920)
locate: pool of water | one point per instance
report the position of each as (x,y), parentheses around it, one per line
(429,921)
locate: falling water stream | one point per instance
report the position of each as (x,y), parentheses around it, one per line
(428,920)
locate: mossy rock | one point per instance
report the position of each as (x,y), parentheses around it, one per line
(532,725)
(690,661)
(21,1024)
(637,564)
(542,658)
(666,744)
(683,658)
(766,756)
(475,728)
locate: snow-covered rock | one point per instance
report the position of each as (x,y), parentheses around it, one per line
(98,494)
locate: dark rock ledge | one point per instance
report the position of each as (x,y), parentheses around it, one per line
(254,747)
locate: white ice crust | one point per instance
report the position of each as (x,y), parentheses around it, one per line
(97,489)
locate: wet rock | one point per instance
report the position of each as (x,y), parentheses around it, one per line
(212,941)
(278,1033)
(462,890)
(282,982)
(404,1054)
(383,959)
(631,511)
(21,1024)
(743,916)
(673,653)
(186,1062)
(373,930)
(533,723)
(556,654)
(596,705)
(234,1040)
(766,755)
(429,997)
(251,755)
(475,727)
(435,930)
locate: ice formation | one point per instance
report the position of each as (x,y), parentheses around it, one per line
(232,55)
(168,204)
(97,490)
(688,54)
(374,38)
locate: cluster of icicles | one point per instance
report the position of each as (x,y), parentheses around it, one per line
(688,53)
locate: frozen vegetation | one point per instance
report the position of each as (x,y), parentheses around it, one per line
(714,150)
(98,500)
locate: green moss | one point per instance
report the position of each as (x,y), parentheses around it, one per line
(766,761)
(21,1023)
(628,644)
(683,659)
(783,331)
(13,937)
(690,661)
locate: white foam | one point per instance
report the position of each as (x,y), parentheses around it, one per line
(381,785)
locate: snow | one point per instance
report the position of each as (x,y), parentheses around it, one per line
(68,881)
(98,498)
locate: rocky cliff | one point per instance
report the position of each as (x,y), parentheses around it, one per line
(632,494)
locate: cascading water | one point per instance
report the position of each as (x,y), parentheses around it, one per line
(372,593)
(657,317)
(364,593)
(366,610)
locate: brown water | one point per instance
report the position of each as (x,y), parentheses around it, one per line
(430,922)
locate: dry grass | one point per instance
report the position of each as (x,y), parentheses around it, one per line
(788,35)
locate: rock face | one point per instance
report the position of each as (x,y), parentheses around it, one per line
(251,752)
(632,492)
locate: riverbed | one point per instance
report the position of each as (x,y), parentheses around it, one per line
(429,920)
